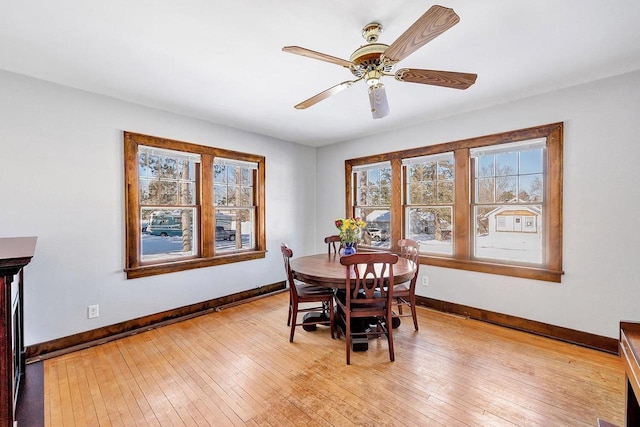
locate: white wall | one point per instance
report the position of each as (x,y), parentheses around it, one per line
(61,179)
(601,201)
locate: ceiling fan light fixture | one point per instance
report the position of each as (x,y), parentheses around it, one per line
(378,101)
(373,77)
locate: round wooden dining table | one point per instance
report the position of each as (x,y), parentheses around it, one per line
(326,270)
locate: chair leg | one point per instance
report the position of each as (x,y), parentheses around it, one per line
(331,319)
(348,337)
(400,302)
(289,318)
(392,356)
(294,320)
(413,312)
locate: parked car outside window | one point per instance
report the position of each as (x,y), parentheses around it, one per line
(377,234)
(223,234)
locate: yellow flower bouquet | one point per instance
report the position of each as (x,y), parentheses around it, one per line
(350,228)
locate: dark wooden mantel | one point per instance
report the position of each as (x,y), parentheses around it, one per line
(15,253)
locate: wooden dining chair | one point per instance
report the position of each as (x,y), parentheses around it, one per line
(334,244)
(367,295)
(404,294)
(319,297)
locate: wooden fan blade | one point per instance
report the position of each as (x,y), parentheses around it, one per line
(437,78)
(324,95)
(434,22)
(317,55)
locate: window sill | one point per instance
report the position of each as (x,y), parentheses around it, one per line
(175,266)
(525,272)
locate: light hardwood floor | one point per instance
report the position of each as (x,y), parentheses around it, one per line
(237,367)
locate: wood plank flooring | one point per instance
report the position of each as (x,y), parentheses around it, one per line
(236,367)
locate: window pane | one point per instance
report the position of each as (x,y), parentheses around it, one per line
(156,192)
(234,230)
(432,227)
(144,170)
(531,188)
(219,195)
(373,177)
(373,187)
(167,168)
(231,174)
(445,170)
(219,173)
(430,182)
(186,193)
(506,189)
(507,164)
(233,185)
(165,180)
(445,192)
(246,178)
(485,166)
(168,233)
(378,229)
(511,233)
(485,190)
(246,196)
(531,161)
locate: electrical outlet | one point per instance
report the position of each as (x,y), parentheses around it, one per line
(425,280)
(93,311)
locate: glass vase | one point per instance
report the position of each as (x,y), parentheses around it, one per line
(349,248)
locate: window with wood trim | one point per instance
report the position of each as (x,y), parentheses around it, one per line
(491,204)
(372,203)
(190,206)
(429,193)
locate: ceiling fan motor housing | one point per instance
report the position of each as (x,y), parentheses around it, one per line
(367,58)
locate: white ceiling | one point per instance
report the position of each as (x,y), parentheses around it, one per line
(221,60)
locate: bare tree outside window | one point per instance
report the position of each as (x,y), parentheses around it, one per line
(430,190)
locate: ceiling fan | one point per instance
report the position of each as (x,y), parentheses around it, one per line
(375,60)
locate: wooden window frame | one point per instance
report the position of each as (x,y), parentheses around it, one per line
(551,267)
(206,256)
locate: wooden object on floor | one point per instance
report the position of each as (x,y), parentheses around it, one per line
(15,253)
(30,410)
(630,354)
(405,293)
(236,367)
(368,294)
(303,293)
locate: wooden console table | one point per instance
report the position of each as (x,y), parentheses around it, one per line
(15,253)
(630,354)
